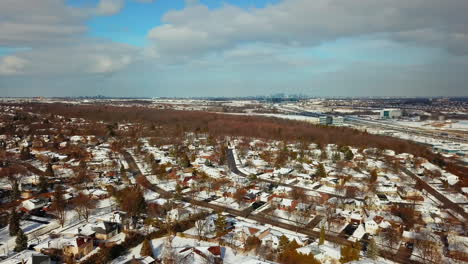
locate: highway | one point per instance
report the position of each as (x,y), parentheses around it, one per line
(384,125)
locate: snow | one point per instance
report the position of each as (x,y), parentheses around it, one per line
(231,256)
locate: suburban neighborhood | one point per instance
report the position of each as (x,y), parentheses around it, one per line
(75,189)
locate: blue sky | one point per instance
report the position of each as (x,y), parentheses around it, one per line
(135,20)
(233,48)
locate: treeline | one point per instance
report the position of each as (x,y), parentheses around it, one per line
(175,123)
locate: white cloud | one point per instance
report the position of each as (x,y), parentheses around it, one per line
(109,7)
(197,29)
(54,40)
(28,23)
(89,56)
(11,65)
(108,64)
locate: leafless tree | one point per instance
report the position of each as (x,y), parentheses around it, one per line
(201,225)
(59,204)
(84,205)
(391,237)
(14,175)
(298,194)
(429,247)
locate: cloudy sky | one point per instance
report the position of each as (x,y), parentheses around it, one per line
(233,47)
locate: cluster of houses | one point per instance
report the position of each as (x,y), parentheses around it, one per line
(353,194)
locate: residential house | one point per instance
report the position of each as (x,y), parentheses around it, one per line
(271,238)
(178,214)
(105,230)
(141,260)
(200,255)
(285,204)
(35,203)
(78,247)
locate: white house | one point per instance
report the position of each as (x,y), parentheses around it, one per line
(34,203)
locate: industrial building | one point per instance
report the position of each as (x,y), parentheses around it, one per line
(390,113)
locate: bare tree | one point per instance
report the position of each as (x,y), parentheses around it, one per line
(14,175)
(201,225)
(59,204)
(239,195)
(329,212)
(84,205)
(391,237)
(302,216)
(299,194)
(429,247)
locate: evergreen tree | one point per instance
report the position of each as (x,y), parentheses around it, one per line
(123,174)
(146,249)
(283,243)
(321,172)
(373,176)
(349,154)
(49,171)
(184,161)
(14,223)
(372,249)
(322,235)
(25,153)
(220,224)
(43,184)
(336,156)
(323,154)
(21,241)
(223,155)
(178,192)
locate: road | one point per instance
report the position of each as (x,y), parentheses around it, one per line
(233,167)
(260,218)
(442,198)
(395,127)
(265,220)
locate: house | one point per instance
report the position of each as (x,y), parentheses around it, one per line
(141,260)
(78,247)
(271,238)
(98,194)
(37,144)
(243,232)
(372,225)
(387,188)
(35,203)
(284,203)
(29,257)
(352,204)
(105,230)
(282,172)
(199,255)
(407,192)
(178,214)
(28,190)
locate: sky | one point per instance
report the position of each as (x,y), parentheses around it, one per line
(177,48)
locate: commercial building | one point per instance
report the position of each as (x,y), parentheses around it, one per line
(337,120)
(325,120)
(331,120)
(390,113)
